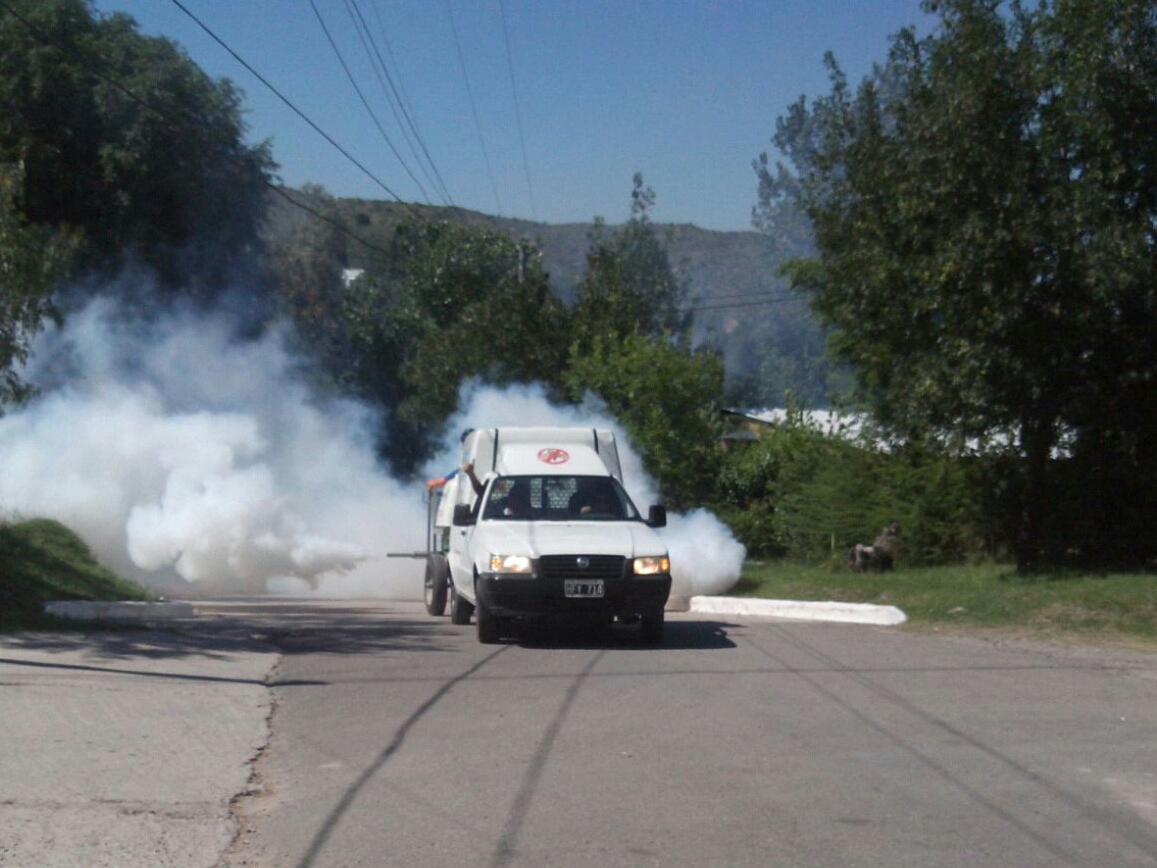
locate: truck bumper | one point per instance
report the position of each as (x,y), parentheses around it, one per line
(510,596)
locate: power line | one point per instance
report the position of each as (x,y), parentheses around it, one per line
(336,224)
(517,111)
(758,302)
(365,103)
(399,89)
(745,296)
(473,107)
(395,95)
(409,132)
(294,108)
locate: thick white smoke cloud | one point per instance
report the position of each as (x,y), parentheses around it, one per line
(177,451)
(705,557)
(195,462)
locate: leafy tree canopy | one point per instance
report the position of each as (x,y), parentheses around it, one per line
(629,284)
(667,398)
(123,137)
(984,209)
(631,348)
(32,260)
(455,304)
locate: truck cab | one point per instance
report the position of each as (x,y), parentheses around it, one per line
(553,534)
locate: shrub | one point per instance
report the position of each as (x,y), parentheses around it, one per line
(799,493)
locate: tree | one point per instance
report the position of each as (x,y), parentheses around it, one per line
(1099,127)
(125,138)
(983,208)
(667,398)
(631,348)
(306,258)
(32,260)
(458,304)
(629,284)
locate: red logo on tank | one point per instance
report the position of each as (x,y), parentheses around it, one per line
(553,455)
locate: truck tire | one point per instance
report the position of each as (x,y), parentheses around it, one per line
(436,585)
(460,610)
(651,627)
(488,627)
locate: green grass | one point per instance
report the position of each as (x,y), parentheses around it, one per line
(42,560)
(1110,608)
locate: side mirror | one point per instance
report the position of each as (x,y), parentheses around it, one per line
(463,515)
(656,516)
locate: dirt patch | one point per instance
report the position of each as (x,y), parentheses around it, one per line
(1111,648)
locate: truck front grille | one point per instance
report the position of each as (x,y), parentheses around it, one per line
(581,566)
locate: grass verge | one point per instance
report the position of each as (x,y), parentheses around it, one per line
(42,560)
(1109,608)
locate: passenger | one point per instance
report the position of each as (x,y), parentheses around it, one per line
(517,501)
(509,499)
(468,469)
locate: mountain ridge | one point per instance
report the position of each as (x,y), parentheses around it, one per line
(770,341)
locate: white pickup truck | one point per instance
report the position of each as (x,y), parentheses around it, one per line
(553,533)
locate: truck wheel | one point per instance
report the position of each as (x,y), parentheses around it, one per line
(460,610)
(436,585)
(488,632)
(651,627)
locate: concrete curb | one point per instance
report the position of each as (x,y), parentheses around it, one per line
(140,612)
(798,610)
(793,610)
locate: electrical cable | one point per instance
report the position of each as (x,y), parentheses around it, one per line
(369,46)
(396,97)
(517,111)
(293,107)
(473,107)
(783,299)
(365,103)
(735,296)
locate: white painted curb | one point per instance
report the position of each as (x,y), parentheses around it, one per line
(793,610)
(798,610)
(84,610)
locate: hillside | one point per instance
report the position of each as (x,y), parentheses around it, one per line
(770,342)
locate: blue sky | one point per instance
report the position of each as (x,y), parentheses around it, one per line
(685,92)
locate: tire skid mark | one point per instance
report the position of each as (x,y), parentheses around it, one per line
(1132,832)
(504,849)
(330,823)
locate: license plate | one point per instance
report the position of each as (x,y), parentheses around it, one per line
(580,588)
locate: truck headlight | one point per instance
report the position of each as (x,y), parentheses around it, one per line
(652,566)
(510,564)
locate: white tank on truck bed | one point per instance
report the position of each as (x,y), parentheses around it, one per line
(487,447)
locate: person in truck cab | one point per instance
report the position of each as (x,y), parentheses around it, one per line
(509,498)
(594,496)
(517,501)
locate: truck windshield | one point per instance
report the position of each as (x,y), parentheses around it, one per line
(558,498)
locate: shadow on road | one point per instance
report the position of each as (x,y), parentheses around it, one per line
(321,627)
(222,629)
(686,635)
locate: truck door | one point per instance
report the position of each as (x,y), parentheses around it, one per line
(460,557)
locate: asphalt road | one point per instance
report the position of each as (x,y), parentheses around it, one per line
(263,735)
(399,740)
(123,749)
